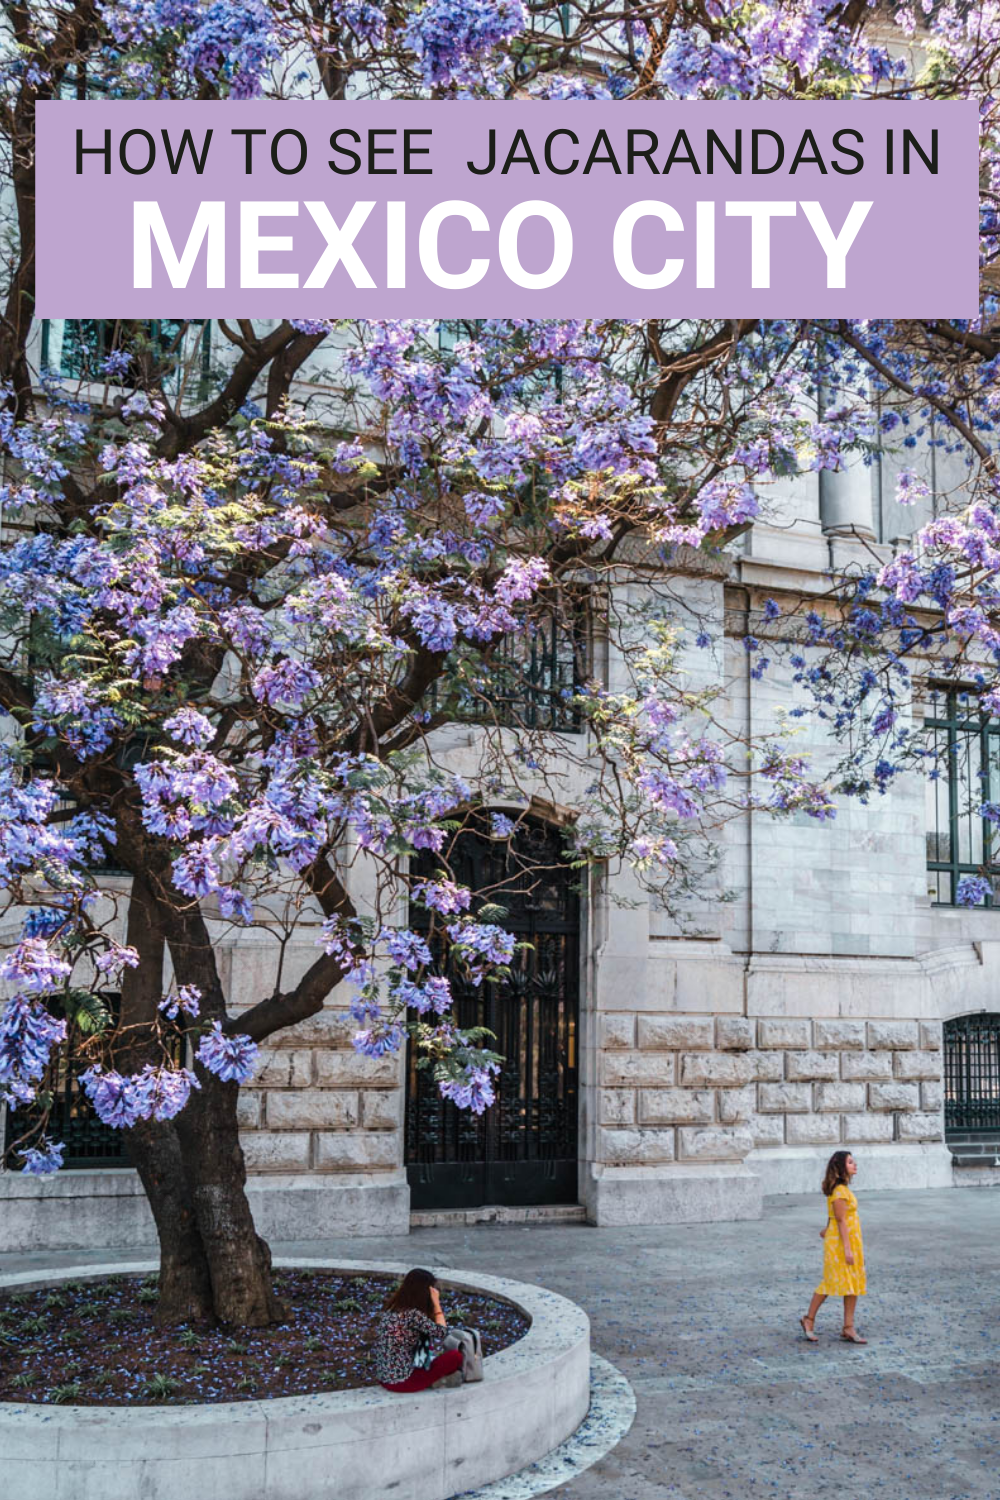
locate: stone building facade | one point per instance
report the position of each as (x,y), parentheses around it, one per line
(712,1062)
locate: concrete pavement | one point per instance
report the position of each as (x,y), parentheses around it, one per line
(732,1404)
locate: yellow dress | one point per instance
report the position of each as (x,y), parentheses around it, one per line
(840,1279)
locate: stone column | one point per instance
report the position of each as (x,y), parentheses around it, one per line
(845,500)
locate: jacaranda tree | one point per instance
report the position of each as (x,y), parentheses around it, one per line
(235,615)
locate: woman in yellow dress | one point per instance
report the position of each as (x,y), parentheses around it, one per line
(843,1252)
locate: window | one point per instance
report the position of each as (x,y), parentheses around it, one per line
(529,680)
(972,1072)
(76,348)
(965,776)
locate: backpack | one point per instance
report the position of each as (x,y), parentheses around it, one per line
(471,1345)
(423,1355)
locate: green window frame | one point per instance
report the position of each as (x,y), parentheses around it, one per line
(965,745)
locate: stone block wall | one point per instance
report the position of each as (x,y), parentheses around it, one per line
(675,1088)
(316,1105)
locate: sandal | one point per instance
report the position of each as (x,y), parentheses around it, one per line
(851,1336)
(808,1333)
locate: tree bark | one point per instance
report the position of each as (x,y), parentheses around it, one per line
(238,1259)
(154,1146)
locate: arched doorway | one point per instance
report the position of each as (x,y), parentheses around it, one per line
(523,1149)
(972,1085)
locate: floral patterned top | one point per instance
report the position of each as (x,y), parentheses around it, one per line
(396,1341)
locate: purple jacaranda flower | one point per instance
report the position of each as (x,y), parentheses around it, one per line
(114,959)
(117,1099)
(973,890)
(189,727)
(285,684)
(231,1058)
(187,1001)
(433,995)
(473,1090)
(379,1039)
(234,905)
(44,1159)
(443,896)
(163,1092)
(195,872)
(33,966)
(27,1035)
(407,949)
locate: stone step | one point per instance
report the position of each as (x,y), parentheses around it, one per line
(496,1213)
(967,1158)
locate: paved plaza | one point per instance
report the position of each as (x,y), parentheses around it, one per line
(732,1405)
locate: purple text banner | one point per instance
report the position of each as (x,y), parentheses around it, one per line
(555,209)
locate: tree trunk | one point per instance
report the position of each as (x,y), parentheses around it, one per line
(213,1264)
(185,1279)
(185,1283)
(239,1261)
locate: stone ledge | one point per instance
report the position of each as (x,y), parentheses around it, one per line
(891,1168)
(534,1394)
(94,1210)
(704,1193)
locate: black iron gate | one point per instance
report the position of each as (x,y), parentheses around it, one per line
(972,1072)
(523,1149)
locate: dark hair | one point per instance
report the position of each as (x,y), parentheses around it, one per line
(413,1291)
(836,1172)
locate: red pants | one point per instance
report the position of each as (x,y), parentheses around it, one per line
(445,1364)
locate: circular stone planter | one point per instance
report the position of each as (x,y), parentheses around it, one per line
(354,1445)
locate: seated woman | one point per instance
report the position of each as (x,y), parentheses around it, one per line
(413,1314)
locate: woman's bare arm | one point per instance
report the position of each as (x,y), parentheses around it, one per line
(840,1209)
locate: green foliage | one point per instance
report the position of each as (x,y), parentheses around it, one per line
(61,1395)
(86,1011)
(160,1387)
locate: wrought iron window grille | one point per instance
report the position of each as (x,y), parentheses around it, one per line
(89,1143)
(972,1073)
(528,681)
